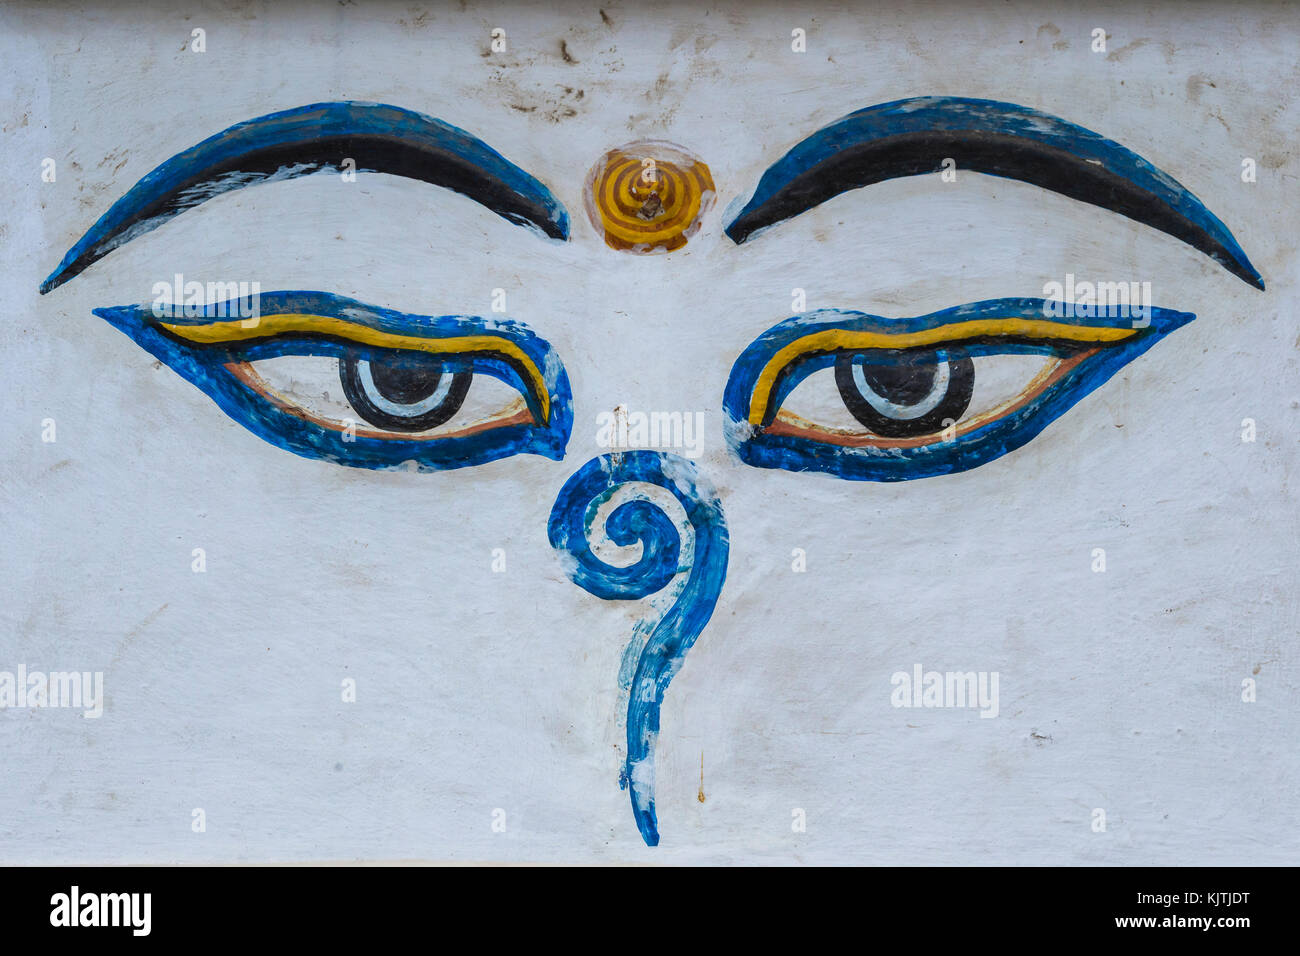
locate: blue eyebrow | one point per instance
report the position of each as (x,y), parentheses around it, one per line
(311,139)
(914,136)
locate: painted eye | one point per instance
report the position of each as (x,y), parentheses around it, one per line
(882,396)
(871,398)
(902,395)
(395,394)
(405,395)
(331,378)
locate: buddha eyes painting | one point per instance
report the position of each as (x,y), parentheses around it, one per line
(733,435)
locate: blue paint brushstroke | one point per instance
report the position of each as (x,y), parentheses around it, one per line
(979,446)
(204,367)
(823,155)
(643,522)
(315,138)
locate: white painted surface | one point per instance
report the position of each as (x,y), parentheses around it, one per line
(478,690)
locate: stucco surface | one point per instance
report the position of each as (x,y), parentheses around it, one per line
(480,690)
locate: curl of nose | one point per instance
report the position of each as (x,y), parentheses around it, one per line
(570,530)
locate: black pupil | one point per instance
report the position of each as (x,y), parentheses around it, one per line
(389,390)
(405,385)
(905,379)
(903,384)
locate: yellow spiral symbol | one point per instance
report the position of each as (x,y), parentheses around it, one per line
(648,197)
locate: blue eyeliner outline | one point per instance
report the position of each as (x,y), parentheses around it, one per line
(960,114)
(299,128)
(970,450)
(203,366)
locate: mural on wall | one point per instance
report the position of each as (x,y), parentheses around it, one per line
(638,520)
(915,136)
(910,384)
(914,393)
(405,387)
(648,197)
(347,137)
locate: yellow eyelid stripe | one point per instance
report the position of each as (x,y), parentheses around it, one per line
(267,325)
(836,340)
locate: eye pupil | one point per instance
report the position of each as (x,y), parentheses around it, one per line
(905,394)
(903,384)
(403,391)
(403,384)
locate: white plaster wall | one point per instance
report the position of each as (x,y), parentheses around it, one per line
(477,690)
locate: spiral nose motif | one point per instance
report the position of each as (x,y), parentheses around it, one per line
(640,521)
(648,197)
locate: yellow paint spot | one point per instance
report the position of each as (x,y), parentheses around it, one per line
(648,197)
